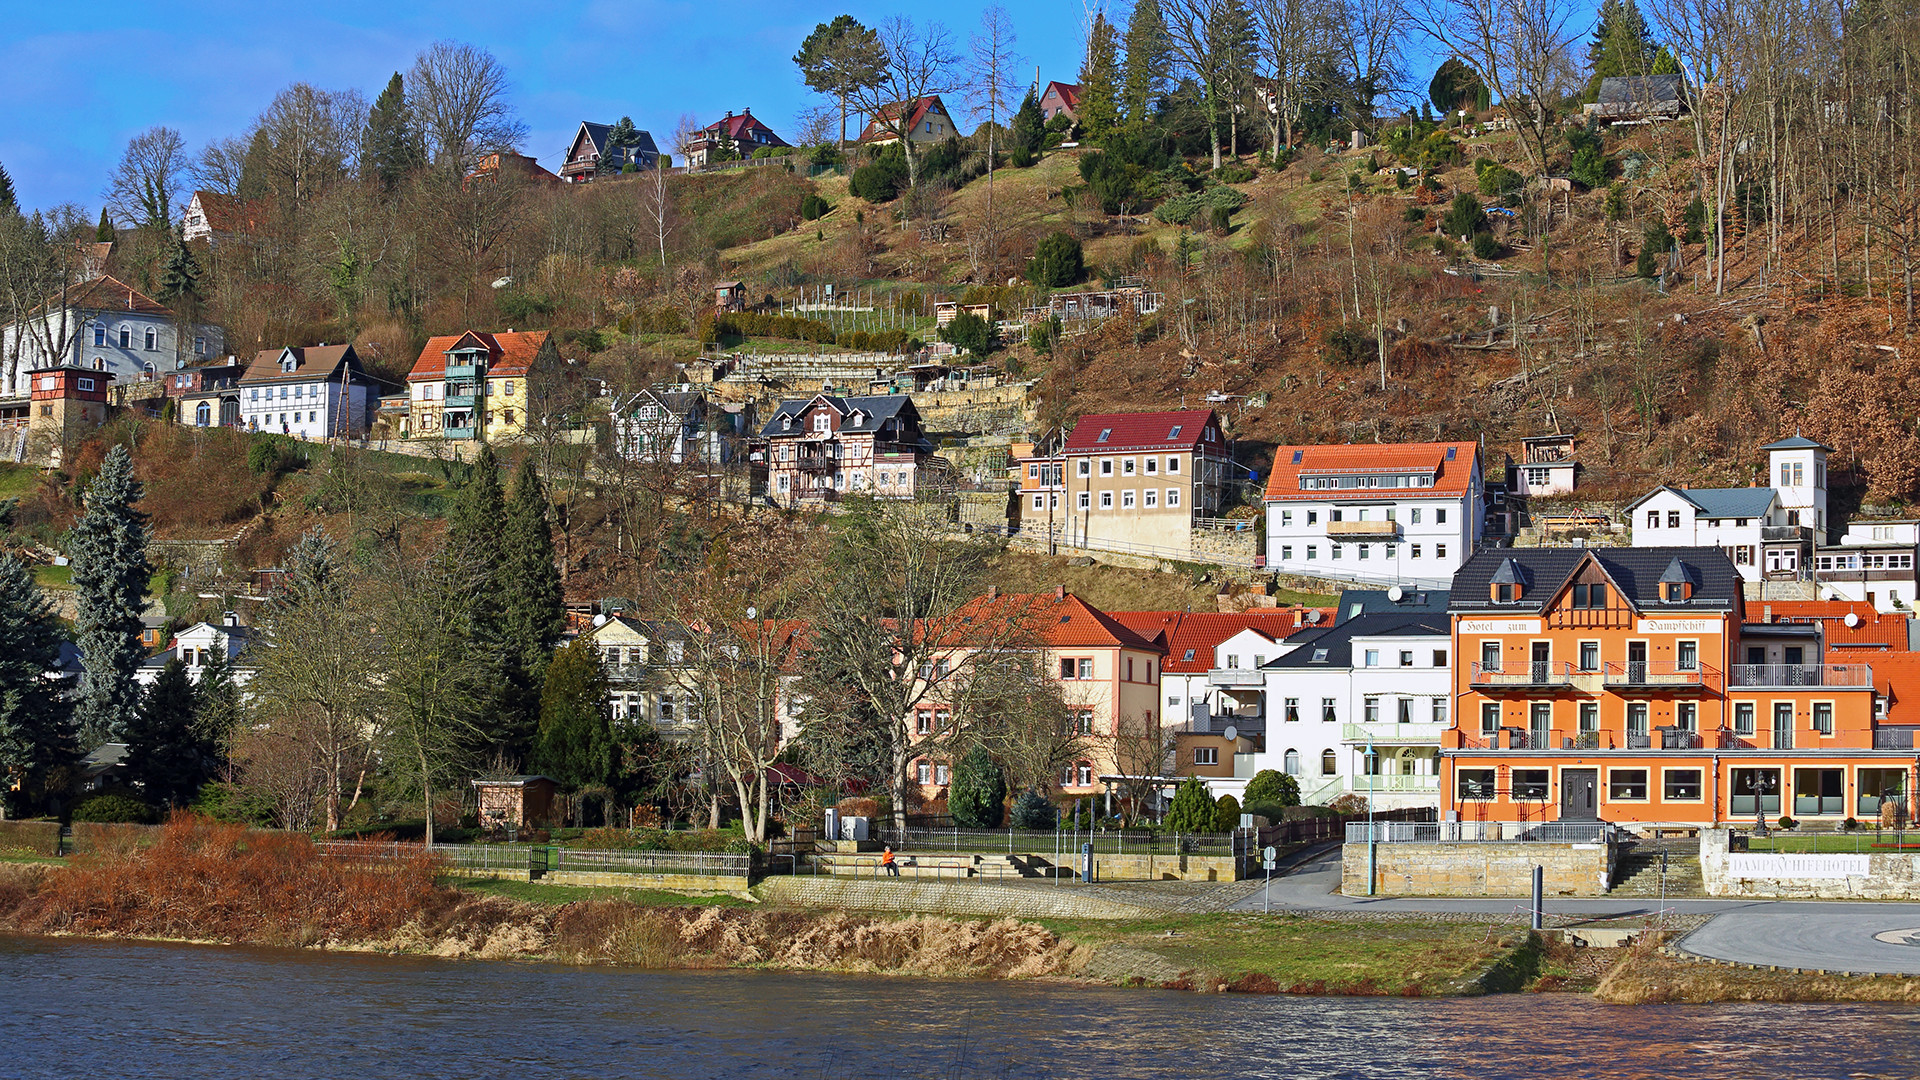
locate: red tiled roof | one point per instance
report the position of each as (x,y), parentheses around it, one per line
(877,130)
(1872,629)
(1203,631)
(1179,430)
(1063,622)
(1896,677)
(737,128)
(508,354)
(1069,92)
(1450,477)
(226,214)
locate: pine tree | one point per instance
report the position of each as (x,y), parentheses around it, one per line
(576,745)
(533,612)
(9,200)
(167,755)
(36,731)
(1029,131)
(1099,77)
(392,150)
(621,137)
(110,572)
(104,231)
(1148,60)
(180,283)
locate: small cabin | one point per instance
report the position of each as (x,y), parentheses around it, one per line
(729,296)
(516,802)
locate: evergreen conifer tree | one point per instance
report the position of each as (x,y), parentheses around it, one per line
(110,571)
(533,612)
(576,745)
(1193,808)
(9,199)
(621,137)
(1621,45)
(167,755)
(1099,81)
(475,543)
(180,282)
(1148,60)
(103,232)
(36,732)
(392,150)
(256,169)
(217,705)
(1029,131)
(979,791)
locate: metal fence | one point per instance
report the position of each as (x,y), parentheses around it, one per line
(1475,832)
(1029,841)
(652,862)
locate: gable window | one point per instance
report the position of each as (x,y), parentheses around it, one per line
(822,422)
(1673,519)
(1590,596)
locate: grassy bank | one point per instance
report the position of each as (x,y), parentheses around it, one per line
(1647,977)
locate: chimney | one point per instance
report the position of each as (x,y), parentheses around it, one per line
(993,592)
(230,619)
(1766,614)
(1059,592)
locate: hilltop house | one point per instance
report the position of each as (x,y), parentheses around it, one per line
(1128,481)
(1061,99)
(927,121)
(314,392)
(518,166)
(825,447)
(1768,532)
(1639,99)
(102,325)
(742,133)
(481,386)
(1392,513)
(582,160)
(216,218)
(1547,466)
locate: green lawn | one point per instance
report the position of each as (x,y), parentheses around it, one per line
(1862,842)
(53,577)
(538,893)
(17,479)
(1302,953)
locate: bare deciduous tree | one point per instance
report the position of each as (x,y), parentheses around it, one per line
(459,94)
(919,62)
(994,92)
(1518,48)
(144,185)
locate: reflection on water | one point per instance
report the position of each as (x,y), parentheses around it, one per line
(100,1009)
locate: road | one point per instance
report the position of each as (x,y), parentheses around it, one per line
(1829,935)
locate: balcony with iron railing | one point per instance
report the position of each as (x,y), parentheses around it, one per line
(1522,675)
(1831,676)
(1662,675)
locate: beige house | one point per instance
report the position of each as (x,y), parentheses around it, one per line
(1128,482)
(927,121)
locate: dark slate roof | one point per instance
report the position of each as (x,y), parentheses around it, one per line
(1677,573)
(1338,640)
(1796,442)
(1742,502)
(874,411)
(1640,89)
(598,134)
(1358,602)
(1510,573)
(1637,572)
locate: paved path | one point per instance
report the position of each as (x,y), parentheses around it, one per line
(1817,934)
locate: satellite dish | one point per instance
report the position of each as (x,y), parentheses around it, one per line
(1232,733)
(1313,617)
(1396,594)
(1852,619)
(599,620)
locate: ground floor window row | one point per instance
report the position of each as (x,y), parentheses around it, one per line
(1816,790)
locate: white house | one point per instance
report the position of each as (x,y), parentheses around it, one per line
(316,392)
(1547,466)
(1379,681)
(1393,513)
(679,426)
(197,645)
(1873,563)
(1768,532)
(102,324)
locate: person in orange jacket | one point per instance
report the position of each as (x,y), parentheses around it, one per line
(886,860)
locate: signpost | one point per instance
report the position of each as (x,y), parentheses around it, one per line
(1267,860)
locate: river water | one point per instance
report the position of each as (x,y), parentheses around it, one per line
(113,1010)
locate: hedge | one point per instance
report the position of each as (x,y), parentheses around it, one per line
(36,837)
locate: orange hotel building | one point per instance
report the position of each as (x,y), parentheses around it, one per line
(1629,685)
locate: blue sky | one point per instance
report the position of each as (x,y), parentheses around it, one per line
(74,90)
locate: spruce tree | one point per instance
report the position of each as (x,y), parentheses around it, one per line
(1148,60)
(1099,81)
(392,150)
(1029,131)
(256,169)
(621,136)
(534,613)
(576,745)
(978,793)
(167,755)
(180,282)
(9,199)
(217,705)
(103,232)
(110,572)
(36,731)
(475,545)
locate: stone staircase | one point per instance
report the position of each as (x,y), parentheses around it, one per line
(1638,871)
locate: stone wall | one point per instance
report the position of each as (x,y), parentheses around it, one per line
(1873,875)
(1478,869)
(1164,867)
(687,883)
(1233,547)
(1040,901)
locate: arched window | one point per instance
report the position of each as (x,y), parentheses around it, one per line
(1327,763)
(202,414)
(153,339)
(99,364)
(1292,762)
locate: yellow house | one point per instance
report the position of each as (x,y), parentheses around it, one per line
(480,386)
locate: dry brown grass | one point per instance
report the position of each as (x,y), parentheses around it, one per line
(1645,977)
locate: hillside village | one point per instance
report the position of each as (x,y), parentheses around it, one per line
(1178,448)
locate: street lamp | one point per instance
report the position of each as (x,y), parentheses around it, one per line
(1762,783)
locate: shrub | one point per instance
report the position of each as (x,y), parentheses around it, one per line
(1021,158)
(1193,808)
(1273,812)
(1414,215)
(1654,245)
(1590,167)
(813,207)
(1616,204)
(698,840)
(1350,803)
(1347,345)
(1034,811)
(1276,788)
(113,808)
(1788,823)
(978,793)
(1056,262)
(1181,209)
(1234,173)
(1464,217)
(880,180)
(858,806)
(1485,246)
(1042,335)
(268,454)
(970,332)
(1226,814)
(1695,221)
(1850,824)
(1499,180)
(1222,220)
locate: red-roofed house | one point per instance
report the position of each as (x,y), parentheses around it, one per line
(1129,482)
(742,133)
(480,386)
(1061,99)
(216,217)
(1394,513)
(927,121)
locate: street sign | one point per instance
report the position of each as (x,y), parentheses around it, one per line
(1266,864)
(1270,853)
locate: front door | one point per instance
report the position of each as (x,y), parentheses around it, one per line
(1579,795)
(1636,661)
(1542,660)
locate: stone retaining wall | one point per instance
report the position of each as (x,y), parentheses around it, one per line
(947,898)
(687,883)
(1880,875)
(1478,869)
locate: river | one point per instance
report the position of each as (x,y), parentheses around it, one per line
(71,1008)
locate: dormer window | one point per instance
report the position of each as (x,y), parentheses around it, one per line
(286,365)
(1105,434)
(786,423)
(1508,583)
(1506,594)
(1674,592)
